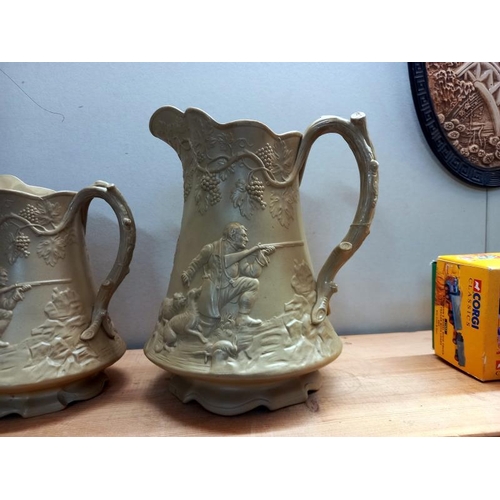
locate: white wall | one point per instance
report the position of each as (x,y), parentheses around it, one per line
(422,212)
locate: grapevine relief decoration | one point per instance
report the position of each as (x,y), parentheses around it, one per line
(39,217)
(212,324)
(210,157)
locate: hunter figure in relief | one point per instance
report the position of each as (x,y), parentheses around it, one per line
(230,274)
(9,297)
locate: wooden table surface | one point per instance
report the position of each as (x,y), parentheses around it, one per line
(387,384)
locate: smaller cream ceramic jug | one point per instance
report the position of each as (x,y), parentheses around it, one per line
(56,337)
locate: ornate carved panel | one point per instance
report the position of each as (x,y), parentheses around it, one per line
(458,107)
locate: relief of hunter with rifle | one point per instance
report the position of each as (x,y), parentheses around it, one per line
(10,295)
(230,273)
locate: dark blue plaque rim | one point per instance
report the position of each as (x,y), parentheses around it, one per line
(450,158)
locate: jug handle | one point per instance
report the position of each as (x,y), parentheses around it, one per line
(80,202)
(355,133)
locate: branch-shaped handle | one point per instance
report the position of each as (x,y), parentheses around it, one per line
(355,134)
(109,193)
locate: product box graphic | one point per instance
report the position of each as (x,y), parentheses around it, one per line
(466,313)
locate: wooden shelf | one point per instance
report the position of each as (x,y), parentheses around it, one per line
(387,384)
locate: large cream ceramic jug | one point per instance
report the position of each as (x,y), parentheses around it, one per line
(56,337)
(244,322)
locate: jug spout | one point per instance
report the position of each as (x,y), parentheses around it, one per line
(168,124)
(13,183)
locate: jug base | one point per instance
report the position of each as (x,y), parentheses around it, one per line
(234,399)
(35,403)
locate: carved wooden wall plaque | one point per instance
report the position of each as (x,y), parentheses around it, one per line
(458,107)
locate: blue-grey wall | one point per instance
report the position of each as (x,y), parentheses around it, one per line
(65,125)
